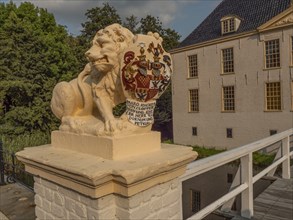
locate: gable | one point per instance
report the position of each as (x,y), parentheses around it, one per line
(281,20)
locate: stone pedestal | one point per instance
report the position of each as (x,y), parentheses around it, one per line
(112,148)
(73,184)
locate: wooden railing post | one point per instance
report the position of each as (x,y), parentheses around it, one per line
(286,163)
(246,178)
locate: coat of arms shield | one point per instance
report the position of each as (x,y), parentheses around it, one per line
(145,75)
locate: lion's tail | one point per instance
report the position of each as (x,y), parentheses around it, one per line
(85,90)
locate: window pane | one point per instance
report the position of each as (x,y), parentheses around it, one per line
(194,131)
(272,50)
(195,201)
(273,96)
(193,69)
(193,100)
(228,98)
(229,133)
(232,25)
(228,60)
(225,27)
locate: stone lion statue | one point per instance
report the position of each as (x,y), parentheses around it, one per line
(85,104)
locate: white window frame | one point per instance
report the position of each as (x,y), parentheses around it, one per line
(227,60)
(228,25)
(270,103)
(271,57)
(228,99)
(193,102)
(192,66)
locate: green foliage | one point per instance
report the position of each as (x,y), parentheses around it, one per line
(262,160)
(170,37)
(132,23)
(99,18)
(168,141)
(17,143)
(206,152)
(259,159)
(35,54)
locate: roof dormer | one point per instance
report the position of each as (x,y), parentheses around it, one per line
(230,24)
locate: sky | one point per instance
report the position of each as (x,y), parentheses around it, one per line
(181,15)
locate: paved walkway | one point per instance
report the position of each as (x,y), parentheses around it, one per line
(16,203)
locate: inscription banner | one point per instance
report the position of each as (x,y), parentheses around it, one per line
(140,113)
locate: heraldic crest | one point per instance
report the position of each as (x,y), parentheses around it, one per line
(146,74)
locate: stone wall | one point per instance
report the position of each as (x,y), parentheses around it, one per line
(56,202)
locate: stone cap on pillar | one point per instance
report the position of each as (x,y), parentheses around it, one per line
(96,176)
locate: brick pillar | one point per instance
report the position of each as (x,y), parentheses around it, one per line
(54,201)
(73,185)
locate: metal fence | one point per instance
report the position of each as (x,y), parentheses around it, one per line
(12,170)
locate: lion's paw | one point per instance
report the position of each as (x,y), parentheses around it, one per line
(113,126)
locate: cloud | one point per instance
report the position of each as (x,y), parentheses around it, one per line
(72,12)
(180,15)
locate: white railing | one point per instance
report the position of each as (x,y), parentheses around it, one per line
(244,180)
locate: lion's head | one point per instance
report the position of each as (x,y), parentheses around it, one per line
(107,45)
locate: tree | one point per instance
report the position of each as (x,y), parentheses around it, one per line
(170,37)
(34,56)
(99,18)
(132,23)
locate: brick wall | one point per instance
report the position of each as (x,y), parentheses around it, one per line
(56,202)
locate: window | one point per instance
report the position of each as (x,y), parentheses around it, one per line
(229,133)
(272,51)
(195,201)
(193,100)
(229,178)
(272,132)
(193,68)
(228,98)
(273,96)
(227,61)
(228,25)
(194,131)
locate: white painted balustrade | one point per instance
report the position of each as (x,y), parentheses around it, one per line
(244,179)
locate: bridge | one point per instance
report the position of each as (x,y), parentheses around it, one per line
(245,179)
(274,203)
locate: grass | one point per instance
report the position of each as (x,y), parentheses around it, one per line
(206,152)
(260,160)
